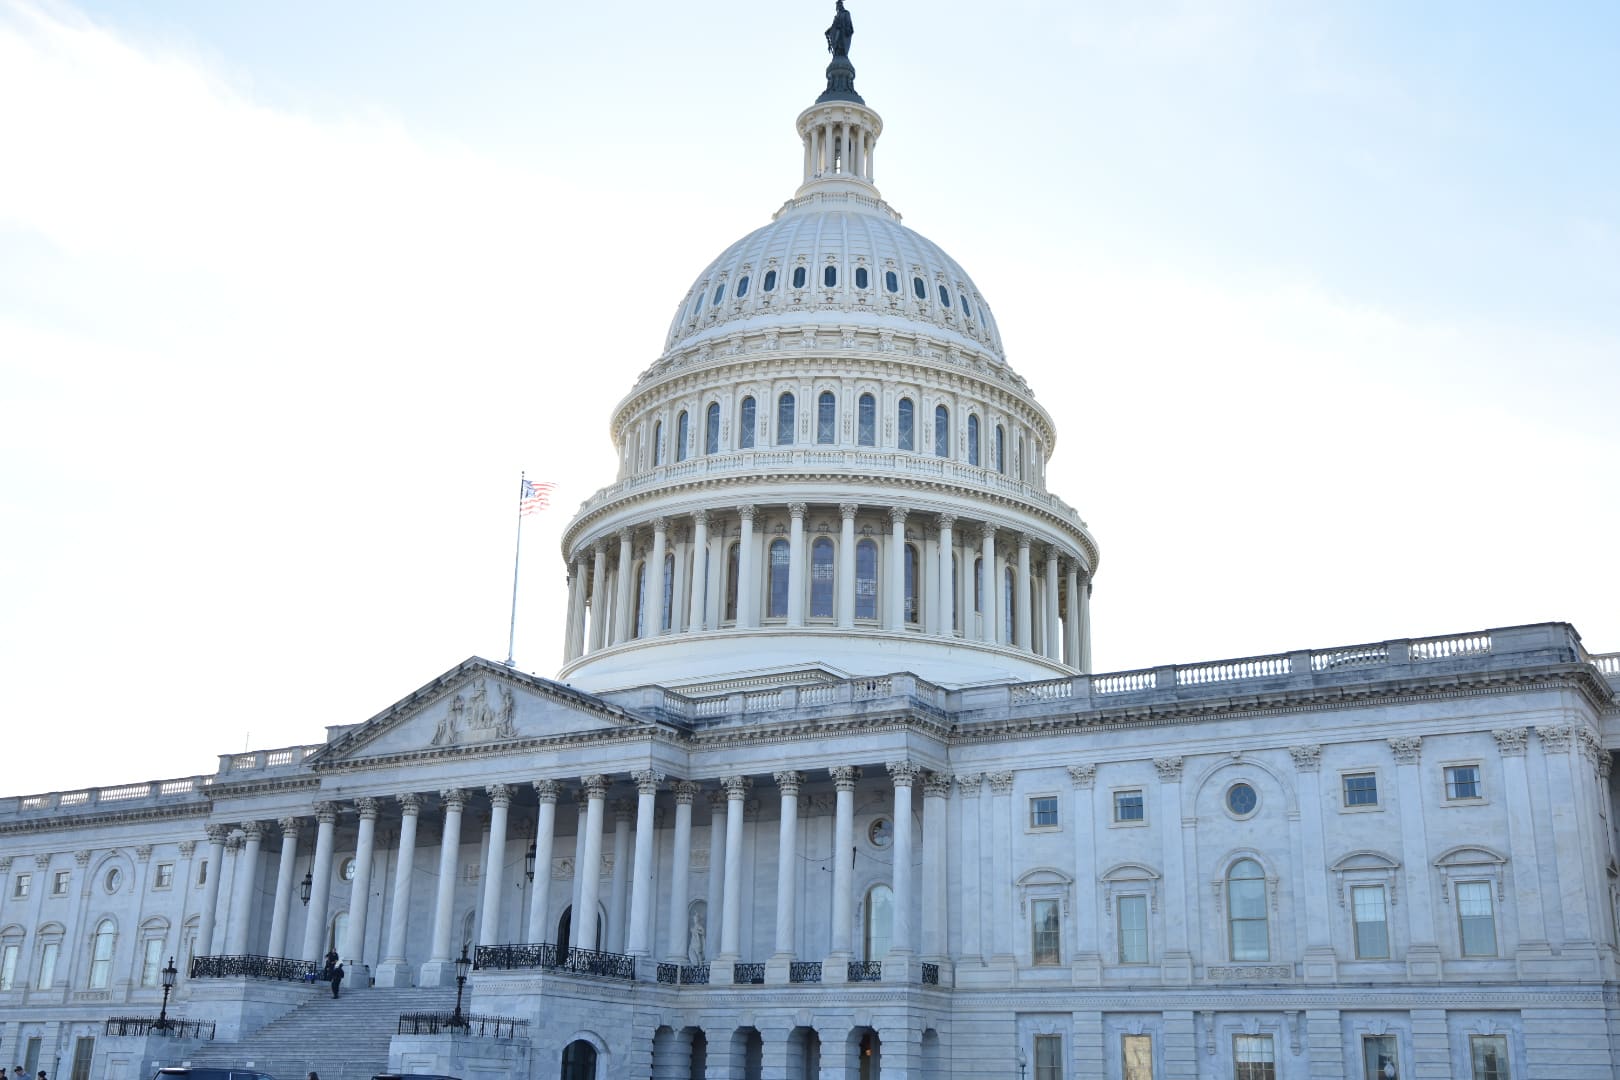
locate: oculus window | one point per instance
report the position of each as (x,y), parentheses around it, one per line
(1241,800)
(919,287)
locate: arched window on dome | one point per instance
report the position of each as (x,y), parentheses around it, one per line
(866,420)
(891,281)
(641,600)
(942,431)
(719,293)
(711,429)
(913,605)
(769,284)
(1020,462)
(1001,449)
(906,422)
(944,296)
(967,308)
(973,439)
(879,922)
(746,419)
(731,583)
(742,286)
(920,287)
(682,425)
(777,595)
(800,276)
(784,420)
(667,618)
(697,305)
(829,277)
(101,954)
(1009,594)
(822,571)
(866,580)
(1246,908)
(658,443)
(862,278)
(826,418)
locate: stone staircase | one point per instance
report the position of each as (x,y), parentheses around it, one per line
(342,1039)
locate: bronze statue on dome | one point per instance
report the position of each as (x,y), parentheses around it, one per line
(839,33)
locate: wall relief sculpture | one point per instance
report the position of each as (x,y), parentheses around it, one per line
(475,718)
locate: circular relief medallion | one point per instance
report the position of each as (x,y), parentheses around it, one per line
(348,870)
(881,834)
(1241,800)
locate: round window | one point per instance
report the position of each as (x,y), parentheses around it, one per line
(1241,800)
(348,870)
(881,834)
(115,878)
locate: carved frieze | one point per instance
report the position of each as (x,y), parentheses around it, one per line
(475,718)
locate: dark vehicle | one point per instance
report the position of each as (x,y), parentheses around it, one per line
(209,1072)
(413,1076)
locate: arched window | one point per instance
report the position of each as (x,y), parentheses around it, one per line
(742,286)
(891,281)
(829,276)
(711,429)
(1009,593)
(866,580)
(920,287)
(913,600)
(973,439)
(978,584)
(667,619)
(1001,449)
(641,599)
(862,279)
(745,425)
(799,277)
(778,594)
(579,1061)
(1246,911)
(942,431)
(944,296)
(658,443)
(784,420)
(879,921)
(866,420)
(719,293)
(769,284)
(826,417)
(1021,462)
(906,417)
(101,954)
(967,308)
(821,579)
(682,424)
(731,583)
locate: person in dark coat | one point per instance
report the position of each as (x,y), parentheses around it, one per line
(337,979)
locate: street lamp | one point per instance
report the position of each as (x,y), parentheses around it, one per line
(168,974)
(305,886)
(463,964)
(528,862)
(1023,1063)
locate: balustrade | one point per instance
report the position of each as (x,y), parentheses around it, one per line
(748,974)
(804,971)
(252,967)
(546,955)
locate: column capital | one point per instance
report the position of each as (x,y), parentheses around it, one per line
(700,517)
(596,786)
(660,525)
(410,803)
(625,535)
(5,864)
(1307,758)
(1555,737)
(747,511)
(1024,540)
(647,781)
(290,825)
(788,782)
(848,510)
(82,857)
(499,794)
(1511,742)
(736,787)
(797,510)
(1083,776)
(1169,769)
(453,798)
(547,790)
(1001,783)
(623,810)
(217,833)
(143,853)
(600,547)
(897,515)
(844,776)
(685,792)
(188,848)
(716,798)
(367,807)
(987,531)
(253,830)
(937,785)
(903,773)
(1407,749)
(971,785)
(947,521)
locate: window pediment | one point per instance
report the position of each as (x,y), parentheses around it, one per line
(1041,883)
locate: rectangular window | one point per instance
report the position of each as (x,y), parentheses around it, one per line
(1379,1060)
(1043,812)
(1253,1058)
(84,1052)
(1137,1052)
(1048,1057)
(1128,806)
(1372,922)
(202,872)
(20,887)
(1047,945)
(1361,789)
(59,884)
(47,963)
(1462,782)
(8,966)
(151,961)
(31,1056)
(1489,1056)
(1475,918)
(1133,939)
(165,876)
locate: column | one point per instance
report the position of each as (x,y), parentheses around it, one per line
(843,878)
(642,884)
(897,569)
(247,873)
(573,613)
(991,601)
(1071,623)
(599,615)
(393,969)
(680,874)
(947,581)
(971,786)
(624,624)
(846,565)
(1087,962)
(545,840)
(1049,639)
(1321,964)
(935,898)
(439,969)
(715,894)
(589,871)
(787,864)
(652,620)
(736,788)
(698,619)
(796,567)
(1423,955)
(1511,744)
(500,801)
(747,604)
(1085,622)
(1001,875)
(284,888)
(619,876)
(320,881)
(210,903)
(1022,596)
(904,774)
(360,893)
(582,801)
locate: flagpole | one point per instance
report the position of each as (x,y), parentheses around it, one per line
(511,631)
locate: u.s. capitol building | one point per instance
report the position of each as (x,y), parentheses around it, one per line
(826,786)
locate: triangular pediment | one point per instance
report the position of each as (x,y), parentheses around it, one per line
(479,704)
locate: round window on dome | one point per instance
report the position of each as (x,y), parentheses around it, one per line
(861,278)
(742,286)
(1241,800)
(891,281)
(799,277)
(920,287)
(769,284)
(944,296)
(829,276)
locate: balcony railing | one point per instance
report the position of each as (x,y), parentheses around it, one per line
(695,974)
(865,971)
(748,974)
(930,974)
(252,967)
(552,958)
(669,974)
(488,1027)
(170,1027)
(804,971)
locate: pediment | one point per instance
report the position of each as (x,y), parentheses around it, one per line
(474,705)
(1366,860)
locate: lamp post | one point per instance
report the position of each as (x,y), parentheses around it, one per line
(305,886)
(528,862)
(463,964)
(168,974)
(1023,1063)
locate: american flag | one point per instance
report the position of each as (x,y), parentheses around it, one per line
(536,496)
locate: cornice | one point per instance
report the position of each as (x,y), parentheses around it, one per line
(58,822)
(665,735)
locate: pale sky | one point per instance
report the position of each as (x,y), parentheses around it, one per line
(1322,297)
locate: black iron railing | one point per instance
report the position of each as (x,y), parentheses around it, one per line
(804,971)
(170,1027)
(489,1027)
(669,974)
(930,973)
(252,967)
(550,957)
(866,971)
(695,974)
(748,974)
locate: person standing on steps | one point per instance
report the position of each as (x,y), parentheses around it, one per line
(337,979)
